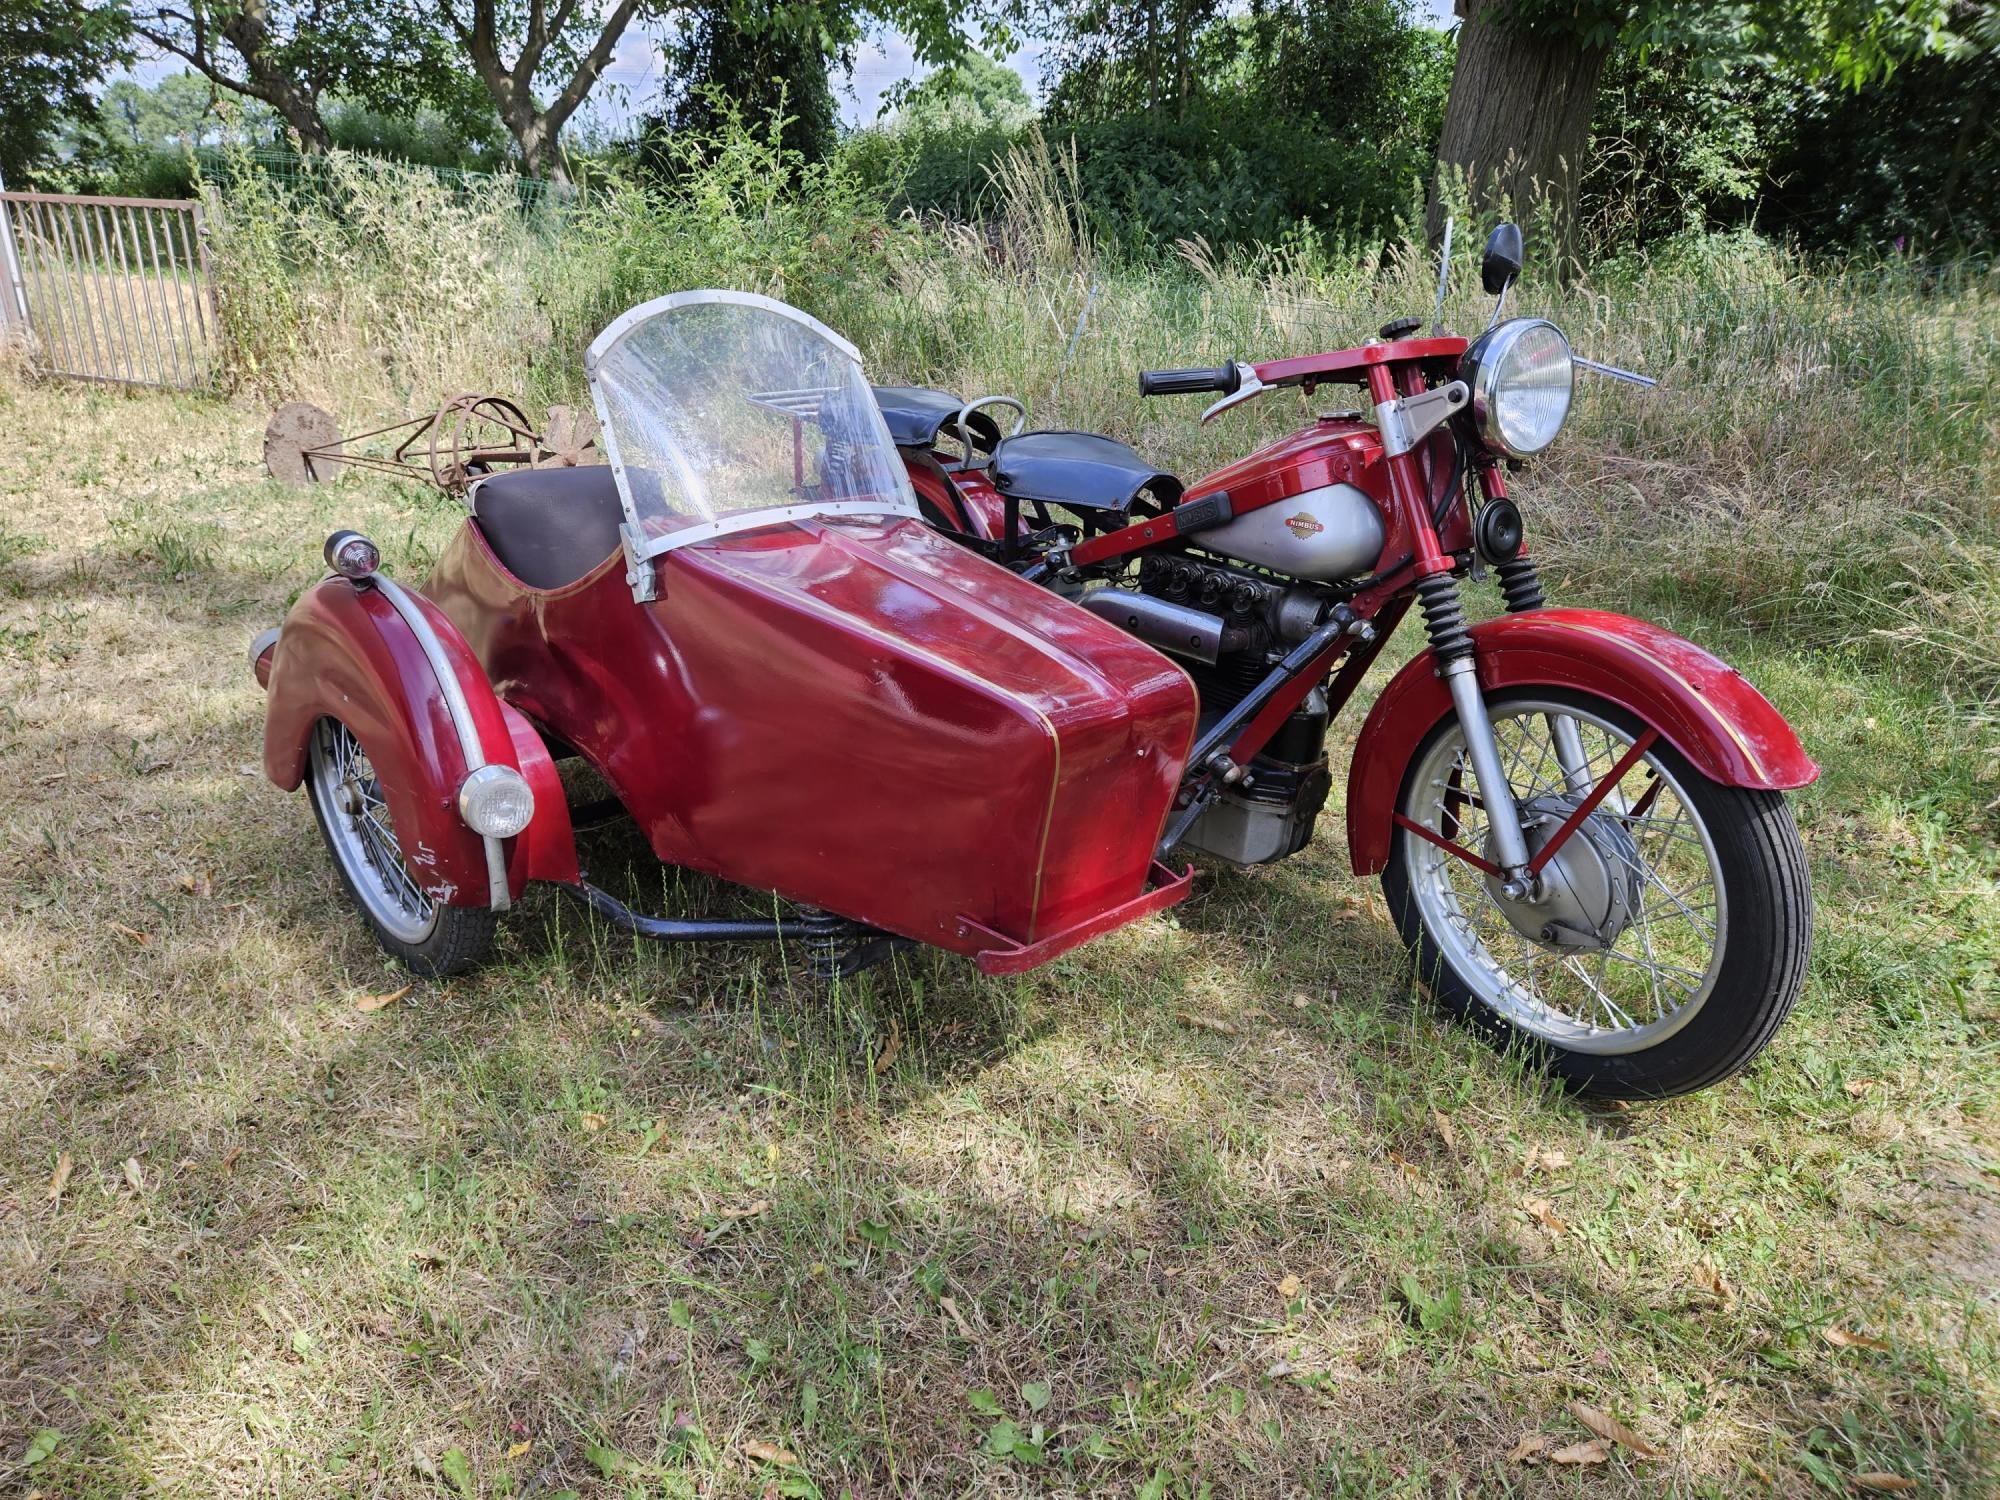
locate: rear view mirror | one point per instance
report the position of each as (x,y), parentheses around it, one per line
(1501,262)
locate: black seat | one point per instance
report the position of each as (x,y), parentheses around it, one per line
(915,413)
(550,526)
(1081,470)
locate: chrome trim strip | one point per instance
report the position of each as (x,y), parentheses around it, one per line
(263,641)
(460,711)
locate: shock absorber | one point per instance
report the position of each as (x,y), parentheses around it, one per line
(1451,646)
(1520,584)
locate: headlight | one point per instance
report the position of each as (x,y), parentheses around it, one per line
(1521,379)
(496,801)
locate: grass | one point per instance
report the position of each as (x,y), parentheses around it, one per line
(634,1221)
(609,1218)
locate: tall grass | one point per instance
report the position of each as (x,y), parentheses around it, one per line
(1818,458)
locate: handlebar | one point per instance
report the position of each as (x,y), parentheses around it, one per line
(1223,378)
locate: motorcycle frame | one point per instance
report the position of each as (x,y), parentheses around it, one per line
(1695,702)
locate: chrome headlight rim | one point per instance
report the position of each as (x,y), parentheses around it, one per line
(1480,367)
(496,802)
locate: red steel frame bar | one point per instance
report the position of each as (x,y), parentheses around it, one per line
(1589,804)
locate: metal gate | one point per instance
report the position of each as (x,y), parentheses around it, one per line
(113,289)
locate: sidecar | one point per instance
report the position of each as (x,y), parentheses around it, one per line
(742,624)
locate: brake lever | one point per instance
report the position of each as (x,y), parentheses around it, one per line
(1630,377)
(1248,385)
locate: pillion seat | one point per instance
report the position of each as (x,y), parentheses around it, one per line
(549,526)
(1079,470)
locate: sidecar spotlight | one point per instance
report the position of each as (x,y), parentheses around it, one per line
(352,555)
(496,801)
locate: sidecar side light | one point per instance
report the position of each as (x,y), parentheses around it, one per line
(496,802)
(352,555)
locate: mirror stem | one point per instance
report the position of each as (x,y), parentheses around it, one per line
(1444,281)
(1499,302)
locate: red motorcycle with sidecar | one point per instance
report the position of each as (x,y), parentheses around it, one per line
(929,683)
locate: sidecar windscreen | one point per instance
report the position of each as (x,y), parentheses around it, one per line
(726,410)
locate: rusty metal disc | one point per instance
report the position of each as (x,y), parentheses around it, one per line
(301,444)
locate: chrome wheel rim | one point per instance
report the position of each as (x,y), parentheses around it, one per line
(358,825)
(1660,946)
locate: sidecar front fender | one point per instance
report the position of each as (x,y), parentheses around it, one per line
(346,653)
(1701,705)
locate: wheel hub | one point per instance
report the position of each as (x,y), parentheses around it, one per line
(1588,893)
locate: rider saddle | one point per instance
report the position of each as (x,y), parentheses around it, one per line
(1081,471)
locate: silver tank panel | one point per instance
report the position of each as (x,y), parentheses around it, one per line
(1332,532)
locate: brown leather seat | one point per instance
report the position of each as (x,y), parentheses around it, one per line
(550,526)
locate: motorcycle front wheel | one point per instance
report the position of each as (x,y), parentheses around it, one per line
(1669,937)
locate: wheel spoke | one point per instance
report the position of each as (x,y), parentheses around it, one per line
(1667,944)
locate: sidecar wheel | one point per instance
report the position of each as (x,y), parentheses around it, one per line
(431,939)
(1694,896)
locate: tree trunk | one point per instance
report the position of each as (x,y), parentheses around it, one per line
(1518,116)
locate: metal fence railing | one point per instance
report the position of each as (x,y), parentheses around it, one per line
(113,289)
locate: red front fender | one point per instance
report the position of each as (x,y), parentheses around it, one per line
(345,653)
(1701,705)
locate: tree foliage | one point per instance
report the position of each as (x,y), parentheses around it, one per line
(52,54)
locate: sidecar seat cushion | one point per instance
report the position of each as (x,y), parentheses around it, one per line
(550,526)
(1082,470)
(916,413)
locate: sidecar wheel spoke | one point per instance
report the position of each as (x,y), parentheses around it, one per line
(362,834)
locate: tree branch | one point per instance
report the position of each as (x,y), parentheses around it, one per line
(593,64)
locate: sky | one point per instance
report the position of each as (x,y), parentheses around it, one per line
(632,81)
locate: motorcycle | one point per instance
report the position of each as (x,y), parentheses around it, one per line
(931,683)
(1577,818)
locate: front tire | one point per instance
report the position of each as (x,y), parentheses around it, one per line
(1681,909)
(431,938)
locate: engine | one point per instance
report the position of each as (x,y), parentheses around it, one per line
(1228,625)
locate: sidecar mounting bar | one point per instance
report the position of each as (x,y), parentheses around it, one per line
(685,929)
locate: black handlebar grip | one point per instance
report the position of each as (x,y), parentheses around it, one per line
(1223,378)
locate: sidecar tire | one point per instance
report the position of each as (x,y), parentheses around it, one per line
(1762,868)
(451,940)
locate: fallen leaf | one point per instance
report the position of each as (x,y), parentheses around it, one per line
(141,938)
(1547,1158)
(60,1178)
(515,1450)
(1301,1002)
(1612,1430)
(1596,1451)
(889,1048)
(1709,1278)
(1543,1213)
(592,1121)
(1885,1484)
(1530,1448)
(134,1174)
(201,883)
(1859,1086)
(1290,1287)
(762,1205)
(1207,1023)
(229,1158)
(1840,1338)
(957,1317)
(770,1453)
(369,1004)
(1445,1133)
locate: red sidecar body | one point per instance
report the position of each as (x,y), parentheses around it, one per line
(795,686)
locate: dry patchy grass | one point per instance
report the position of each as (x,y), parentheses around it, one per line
(608,1219)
